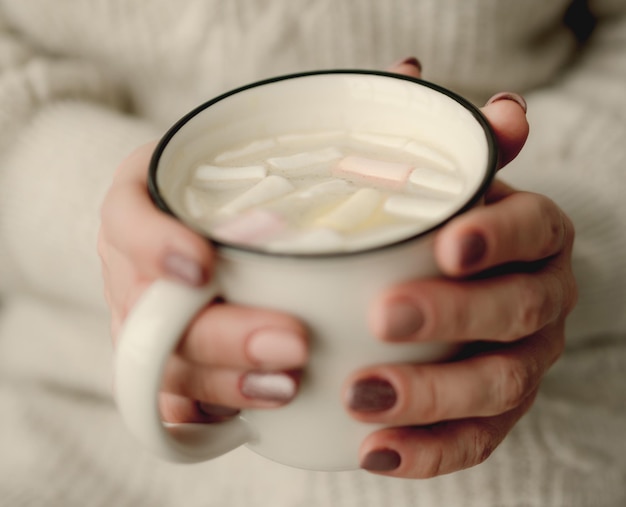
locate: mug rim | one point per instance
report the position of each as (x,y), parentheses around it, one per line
(488,176)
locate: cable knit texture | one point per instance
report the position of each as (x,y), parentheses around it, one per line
(82,83)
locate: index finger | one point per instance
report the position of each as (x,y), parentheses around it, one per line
(521,227)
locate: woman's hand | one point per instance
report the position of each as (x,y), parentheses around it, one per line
(231,357)
(508,289)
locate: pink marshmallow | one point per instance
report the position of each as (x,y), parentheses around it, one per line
(379,172)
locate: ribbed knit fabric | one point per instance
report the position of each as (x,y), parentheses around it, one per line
(83,83)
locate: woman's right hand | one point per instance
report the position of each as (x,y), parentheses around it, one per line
(231,357)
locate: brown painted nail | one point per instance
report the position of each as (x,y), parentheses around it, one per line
(473,248)
(372,395)
(382,460)
(185,269)
(515,97)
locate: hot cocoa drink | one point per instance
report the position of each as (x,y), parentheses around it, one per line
(320,192)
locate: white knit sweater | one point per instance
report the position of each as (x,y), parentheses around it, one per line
(84,82)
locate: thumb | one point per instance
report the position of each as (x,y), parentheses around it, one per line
(410,66)
(156,245)
(506,113)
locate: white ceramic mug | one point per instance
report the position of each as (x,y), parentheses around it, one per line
(331,293)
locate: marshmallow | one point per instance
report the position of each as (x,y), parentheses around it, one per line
(436,180)
(351,212)
(318,137)
(385,174)
(325,188)
(193,203)
(250,227)
(265,190)
(417,208)
(250,149)
(304,160)
(430,155)
(380,139)
(214,176)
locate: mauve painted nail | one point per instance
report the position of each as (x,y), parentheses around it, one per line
(473,248)
(383,460)
(411,60)
(372,395)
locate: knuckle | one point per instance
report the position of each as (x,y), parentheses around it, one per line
(427,407)
(572,298)
(484,440)
(567,293)
(554,227)
(449,315)
(534,308)
(569,231)
(433,465)
(513,384)
(559,347)
(570,293)
(434,456)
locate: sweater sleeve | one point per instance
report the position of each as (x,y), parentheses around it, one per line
(576,154)
(63,131)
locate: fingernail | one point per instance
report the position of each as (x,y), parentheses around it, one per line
(403,320)
(383,460)
(274,387)
(372,395)
(184,269)
(473,248)
(276,347)
(515,97)
(411,60)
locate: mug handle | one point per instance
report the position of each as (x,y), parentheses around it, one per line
(149,335)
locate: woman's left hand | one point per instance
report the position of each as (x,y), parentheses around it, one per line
(508,290)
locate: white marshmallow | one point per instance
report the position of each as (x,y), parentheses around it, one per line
(214,176)
(353,211)
(418,208)
(380,139)
(436,180)
(430,155)
(318,137)
(329,187)
(250,149)
(265,190)
(379,172)
(304,160)
(193,203)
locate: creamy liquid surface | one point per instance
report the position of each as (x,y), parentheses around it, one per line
(322,192)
